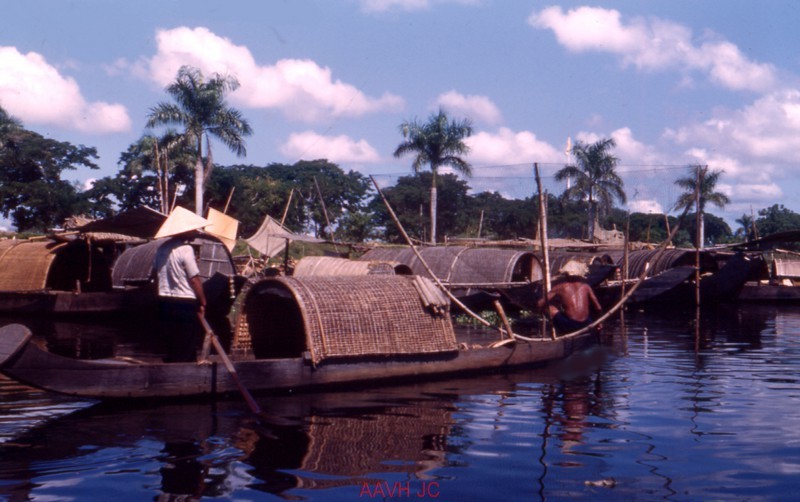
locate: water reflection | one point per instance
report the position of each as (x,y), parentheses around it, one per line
(393,438)
(670,406)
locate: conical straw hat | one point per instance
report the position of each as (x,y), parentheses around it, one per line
(222,226)
(574,268)
(179,221)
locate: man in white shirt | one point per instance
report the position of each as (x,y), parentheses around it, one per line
(181,301)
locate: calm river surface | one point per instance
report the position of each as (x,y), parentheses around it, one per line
(665,408)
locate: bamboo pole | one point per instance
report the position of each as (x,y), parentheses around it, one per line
(286,209)
(625,254)
(424,263)
(228,202)
(698,236)
(325,213)
(502,313)
(543,240)
(633,289)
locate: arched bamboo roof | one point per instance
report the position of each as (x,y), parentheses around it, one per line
(135,265)
(327,265)
(466,265)
(25,265)
(329,317)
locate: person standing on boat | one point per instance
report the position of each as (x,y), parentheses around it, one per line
(181,300)
(571,300)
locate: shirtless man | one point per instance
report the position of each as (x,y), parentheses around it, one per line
(575,299)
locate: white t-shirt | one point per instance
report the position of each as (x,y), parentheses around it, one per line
(175,264)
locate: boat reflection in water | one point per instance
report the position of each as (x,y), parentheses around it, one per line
(385,440)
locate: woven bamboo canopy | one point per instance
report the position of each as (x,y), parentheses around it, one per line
(466,265)
(35,265)
(329,317)
(135,265)
(327,265)
(670,258)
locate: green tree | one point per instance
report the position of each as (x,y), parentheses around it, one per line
(8,123)
(776,218)
(276,189)
(407,198)
(708,182)
(32,192)
(594,178)
(152,173)
(201,109)
(503,218)
(436,143)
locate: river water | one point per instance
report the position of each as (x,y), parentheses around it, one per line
(669,406)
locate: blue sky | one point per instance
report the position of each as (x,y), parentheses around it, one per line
(675,83)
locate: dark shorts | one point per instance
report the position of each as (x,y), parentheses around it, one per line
(566,324)
(180,328)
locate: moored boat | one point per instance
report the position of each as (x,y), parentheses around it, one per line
(669,278)
(297,333)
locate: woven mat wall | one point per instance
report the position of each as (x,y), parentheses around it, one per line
(360,316)
(24,265)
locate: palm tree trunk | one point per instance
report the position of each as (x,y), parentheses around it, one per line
(198,186)
(433,209)
(199,178)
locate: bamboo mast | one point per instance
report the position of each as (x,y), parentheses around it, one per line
(325,213)
(543,239)
(698,234)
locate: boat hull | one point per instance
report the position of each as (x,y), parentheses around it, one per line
(23,360)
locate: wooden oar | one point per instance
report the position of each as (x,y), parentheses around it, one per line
(210,335)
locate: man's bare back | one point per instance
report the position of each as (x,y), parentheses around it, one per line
(575,299)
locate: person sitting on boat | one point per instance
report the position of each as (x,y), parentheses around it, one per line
(571,299)
(181,300)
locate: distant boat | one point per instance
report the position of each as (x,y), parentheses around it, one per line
(670,277)
(295,333)
(776,278)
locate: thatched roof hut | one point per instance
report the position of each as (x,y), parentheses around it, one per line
(328,265)
(330,317)
(35,265)
(466,265)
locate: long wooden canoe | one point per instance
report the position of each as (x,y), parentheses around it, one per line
(23,360)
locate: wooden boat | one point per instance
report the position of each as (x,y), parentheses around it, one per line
(775,278)
(81,277)
(670,278)
(295,333)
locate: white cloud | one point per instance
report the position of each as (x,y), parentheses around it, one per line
(768,129)
(300,88)
(654,44)
(342,149)
(645,206)
(506,147)
(34,91)
(476,108)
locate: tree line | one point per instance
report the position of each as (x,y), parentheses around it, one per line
(167,167)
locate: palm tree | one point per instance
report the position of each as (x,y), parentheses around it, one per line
(708,181)
(595,178)
(436,143)
(747,230)
(201,108)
